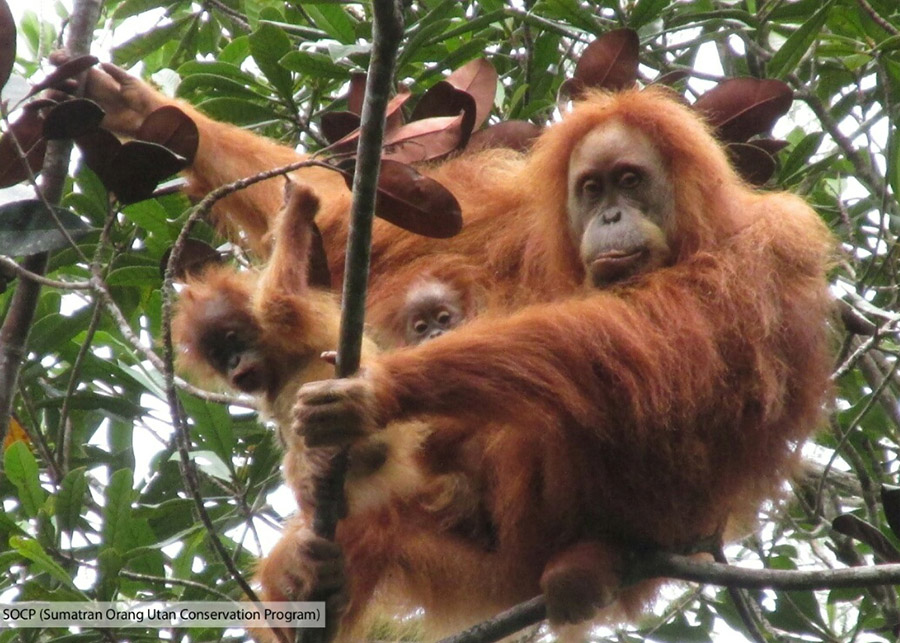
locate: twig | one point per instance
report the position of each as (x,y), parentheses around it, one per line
(881,22)
(675,566)
(17,325)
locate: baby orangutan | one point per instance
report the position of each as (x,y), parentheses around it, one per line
(264,334)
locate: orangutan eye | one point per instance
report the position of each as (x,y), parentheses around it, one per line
(629,180)
(420,327)
(443,318)
(591,187)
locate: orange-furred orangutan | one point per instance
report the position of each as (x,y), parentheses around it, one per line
(651,414)
(653,408)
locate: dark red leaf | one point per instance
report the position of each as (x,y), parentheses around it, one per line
(195,256)
(516,135)
(28,131)
(173,129)
(319,272)
(610,62)
(425,140)
(412,201)
(98,149)
(337,125)
(135,170)
(65,71)
(672,78)
(43,103)
(753,163)
(393,119)
(357,92)
(743,107)
(72,118)
(860,530)
(443,99)
(890,500)
(7,42)
(478,78)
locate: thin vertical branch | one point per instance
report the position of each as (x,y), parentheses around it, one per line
(20,316)
(387,32)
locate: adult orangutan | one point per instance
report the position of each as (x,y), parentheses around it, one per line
(654,411)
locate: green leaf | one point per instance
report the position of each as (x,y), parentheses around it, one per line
(130,8)
(332,19)
(792,51)
(141,46)
(117,511)
(893,174)
(646,11)
(571,11)
(22,470)
(212,425)
(799,157)
(135,276)
(268,45)
(314,66)
(151,216)
(32,550)
(215,85)
(209,463)
(238,111)
(29,227)
(70,499)
(121,407)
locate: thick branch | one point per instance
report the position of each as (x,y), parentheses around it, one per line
(675,566)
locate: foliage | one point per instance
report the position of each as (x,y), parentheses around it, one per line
(94,502)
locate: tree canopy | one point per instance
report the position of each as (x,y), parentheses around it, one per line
(94,502)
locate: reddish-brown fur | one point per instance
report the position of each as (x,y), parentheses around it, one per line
(386,306)
(657,412)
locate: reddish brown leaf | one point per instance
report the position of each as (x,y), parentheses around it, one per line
(516,135)
(412,201)
(357,92)
(72,118)
(7,42)
(425,140)
(393,120)
(610,62)
(337,125)
(98,149)
(131,170)
(173,129)
(43,103)
(27,129)
(753,163)
(443,99)
(672,78)
(742,107)
(195,256)
(65,71)
(478,78)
